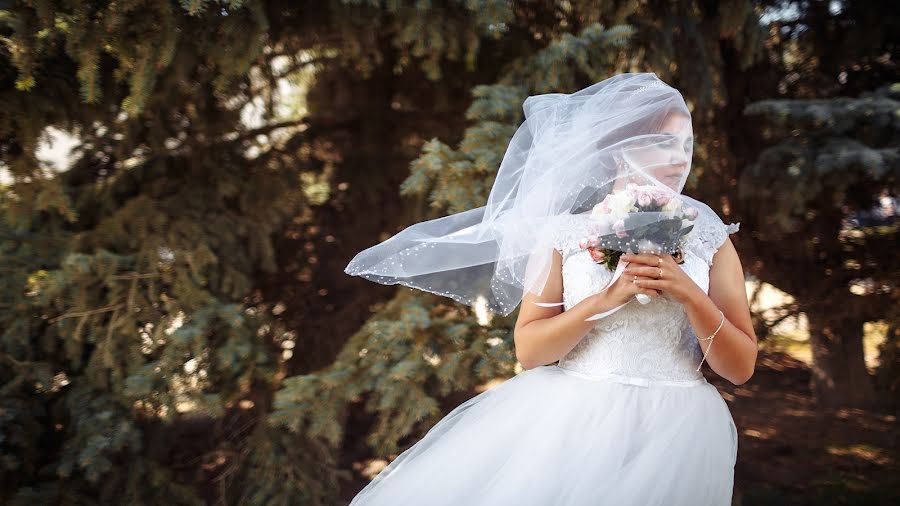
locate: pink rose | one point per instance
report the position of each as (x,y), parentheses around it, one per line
(644,200)
(597,254)
(691,213)
(602,207)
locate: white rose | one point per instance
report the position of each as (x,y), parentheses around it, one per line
(622,202)
(672,205)
(599,211)
(603,221)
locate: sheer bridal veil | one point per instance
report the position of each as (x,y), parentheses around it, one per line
(571,151)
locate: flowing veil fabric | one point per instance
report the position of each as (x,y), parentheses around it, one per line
(569,153)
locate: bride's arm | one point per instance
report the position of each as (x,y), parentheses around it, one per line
(732,352)
(545,334)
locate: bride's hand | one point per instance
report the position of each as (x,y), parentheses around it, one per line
(673,279)
(623,289)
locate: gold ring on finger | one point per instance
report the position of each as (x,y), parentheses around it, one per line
(658,261)
(660,274)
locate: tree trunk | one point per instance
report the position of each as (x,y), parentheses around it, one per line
(839,376)
(888,373)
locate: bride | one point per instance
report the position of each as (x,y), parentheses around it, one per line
(611,407)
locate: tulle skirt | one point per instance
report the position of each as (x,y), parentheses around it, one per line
(550,436)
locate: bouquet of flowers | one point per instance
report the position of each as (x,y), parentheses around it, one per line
(640,218)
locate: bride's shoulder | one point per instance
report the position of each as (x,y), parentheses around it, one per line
(710,231)
(566,231)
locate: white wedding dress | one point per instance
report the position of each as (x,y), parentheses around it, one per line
(623,419)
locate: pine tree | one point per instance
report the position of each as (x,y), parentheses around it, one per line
(822,153)
(133,313)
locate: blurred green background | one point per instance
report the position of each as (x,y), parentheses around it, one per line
(183,182)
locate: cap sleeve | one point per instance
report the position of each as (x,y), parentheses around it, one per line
(566,235)
(712,235)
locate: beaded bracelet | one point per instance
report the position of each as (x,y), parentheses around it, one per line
(710,338)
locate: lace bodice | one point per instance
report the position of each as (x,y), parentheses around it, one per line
(654,341)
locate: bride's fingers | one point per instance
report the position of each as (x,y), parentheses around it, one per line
(656,284)
(648,291)
(644,258)
(643,271)
(643,289)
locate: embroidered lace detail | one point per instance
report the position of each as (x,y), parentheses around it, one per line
(569,230)
(654,341)
(712,236)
